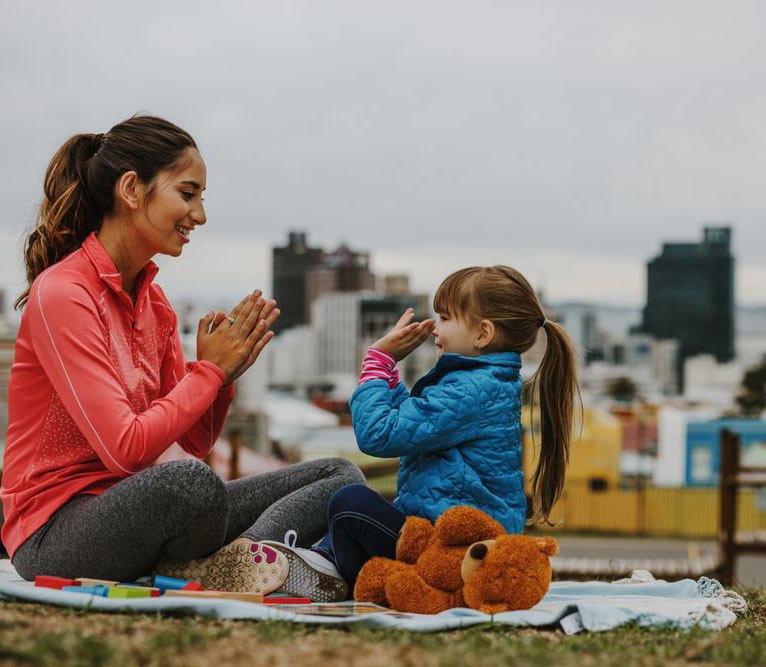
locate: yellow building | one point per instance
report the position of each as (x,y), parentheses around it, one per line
(594,457)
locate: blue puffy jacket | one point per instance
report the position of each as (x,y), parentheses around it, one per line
(458,434)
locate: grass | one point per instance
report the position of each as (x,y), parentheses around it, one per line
(32,634)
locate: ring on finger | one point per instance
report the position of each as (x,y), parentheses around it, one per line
(232,320)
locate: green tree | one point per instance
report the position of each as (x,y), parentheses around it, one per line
(752,394)
(622,389)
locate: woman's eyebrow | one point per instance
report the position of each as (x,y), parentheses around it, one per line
(194,184)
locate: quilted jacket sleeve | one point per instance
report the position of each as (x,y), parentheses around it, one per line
(388,423)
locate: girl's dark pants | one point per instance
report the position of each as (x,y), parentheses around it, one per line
(362,524)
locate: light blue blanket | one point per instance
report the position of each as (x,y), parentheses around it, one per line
(574,606)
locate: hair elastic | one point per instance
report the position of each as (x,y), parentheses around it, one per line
(98,140)
(543,322)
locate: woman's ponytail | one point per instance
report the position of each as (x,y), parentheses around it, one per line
(67,213)
(555,386)
(80,182)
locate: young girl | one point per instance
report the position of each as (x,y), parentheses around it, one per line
(99,387)
(458,432)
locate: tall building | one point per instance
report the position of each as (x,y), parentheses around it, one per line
(336,320)
(289,269)
(302,274)
(690,295)
(342,270)
(347,323)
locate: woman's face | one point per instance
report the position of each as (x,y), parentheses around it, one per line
(175,208)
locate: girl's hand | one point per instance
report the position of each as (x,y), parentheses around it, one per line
(235,347)
(406,336)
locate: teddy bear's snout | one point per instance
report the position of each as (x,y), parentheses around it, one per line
(474,557)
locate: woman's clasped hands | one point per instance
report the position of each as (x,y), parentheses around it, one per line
(233,341)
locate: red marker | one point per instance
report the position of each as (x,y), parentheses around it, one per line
(193,586)
(43,581)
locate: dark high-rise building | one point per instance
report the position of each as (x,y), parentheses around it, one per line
(340,271)
(289,269)
(301,274)
(690,295)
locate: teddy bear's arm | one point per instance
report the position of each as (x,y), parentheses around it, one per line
(413,539)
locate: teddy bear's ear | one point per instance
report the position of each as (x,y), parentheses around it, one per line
(547,545)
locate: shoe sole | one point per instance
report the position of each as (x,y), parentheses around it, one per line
(304,581)
(243,566)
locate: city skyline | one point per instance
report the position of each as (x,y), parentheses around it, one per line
(567,140)
(173,277)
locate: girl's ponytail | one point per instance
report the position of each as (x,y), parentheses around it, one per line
(68,212)
(555,385)
(80,183)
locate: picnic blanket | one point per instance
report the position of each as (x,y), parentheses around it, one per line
(574,606)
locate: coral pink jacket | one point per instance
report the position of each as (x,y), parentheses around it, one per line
(98,390)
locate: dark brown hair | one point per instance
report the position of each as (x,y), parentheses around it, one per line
(503,296)
(80,182)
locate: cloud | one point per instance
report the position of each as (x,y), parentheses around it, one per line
(560,276)
(558,134)
(216,271)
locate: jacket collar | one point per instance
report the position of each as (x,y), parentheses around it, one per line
(451,362)
(109,274)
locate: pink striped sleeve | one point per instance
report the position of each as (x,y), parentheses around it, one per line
(379,365)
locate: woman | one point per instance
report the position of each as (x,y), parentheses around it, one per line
(99,389)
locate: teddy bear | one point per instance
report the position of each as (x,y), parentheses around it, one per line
(465,559)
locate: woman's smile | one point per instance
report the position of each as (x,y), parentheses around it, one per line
(184,232)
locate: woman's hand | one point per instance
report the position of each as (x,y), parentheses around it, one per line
(234,347)
(405,336)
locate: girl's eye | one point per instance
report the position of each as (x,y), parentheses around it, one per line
(187,195)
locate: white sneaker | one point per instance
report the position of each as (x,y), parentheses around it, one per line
(309,574)
(240,566)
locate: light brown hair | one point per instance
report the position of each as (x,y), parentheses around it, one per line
(503,296)
(80,182)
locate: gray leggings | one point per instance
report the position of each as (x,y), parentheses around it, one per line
(181,510)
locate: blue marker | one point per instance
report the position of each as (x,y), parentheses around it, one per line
(169,583)
(99,590)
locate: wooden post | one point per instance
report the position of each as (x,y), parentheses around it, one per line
(728,469)
(235,444)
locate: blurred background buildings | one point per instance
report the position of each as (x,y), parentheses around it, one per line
(658,383)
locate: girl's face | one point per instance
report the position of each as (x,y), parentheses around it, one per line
(456,336)
(175,208)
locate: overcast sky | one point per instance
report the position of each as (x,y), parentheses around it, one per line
(568,139)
